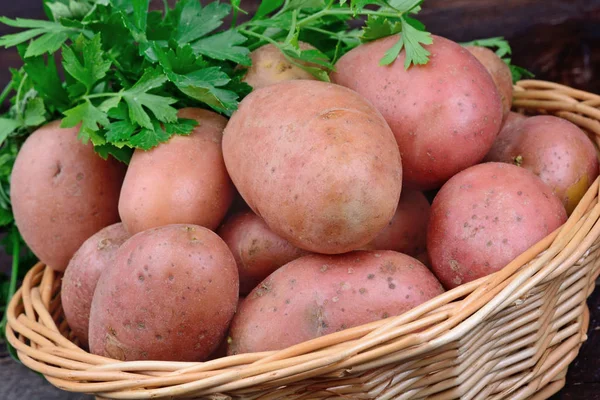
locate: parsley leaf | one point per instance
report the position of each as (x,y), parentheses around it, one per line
(224,46)
(411,39)
(52,35)
(91,119)
(47,82)
(501,45)
(196,22)
(94,66)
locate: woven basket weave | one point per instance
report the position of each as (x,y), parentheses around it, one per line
(508,335)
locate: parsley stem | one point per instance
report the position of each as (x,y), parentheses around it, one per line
(19,90)
(260,36)
(98,95)
(5,92)
(338,11)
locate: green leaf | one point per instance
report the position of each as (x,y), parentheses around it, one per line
(180,61)
(94,66)
(519,73)
(137,98)
(304,4)
(392,53)
(35,112)
(90,118)
(7,126)
(120,131)
(47,43)
(109,103)
(224,46)
(196,22)
(203,85)
(182,127)
(31,23)
(122,154)
(47,82)
(149,138)
(502,46)
(377,27)
(18,38)
(266,7)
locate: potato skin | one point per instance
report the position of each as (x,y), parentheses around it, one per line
(500,74)
(81,276)
(554,149)
(257,250)
(181,181)
(484,217)
(407,231)
(317,294)
(325,172)
(170,295)
(445,115)
(269,66)
(62,193)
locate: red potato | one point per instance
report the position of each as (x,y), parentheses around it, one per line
(181,181)
(445,115)
(170,295)
(316,295)
(270,66)
(484,217)
(62,193)
(81,276)
(324,172)
(554,149)
(500,74)
(257,250)
(407,231)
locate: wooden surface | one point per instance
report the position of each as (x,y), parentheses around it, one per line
(557,40)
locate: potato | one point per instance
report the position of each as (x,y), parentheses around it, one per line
(170,295)
(81,276)
(317,162)
(484,217)
(62,193)
(317,294)
(554,149)
(270,66)
(500,74)
(181,181)
(407,231)
(257,250)
(445,114)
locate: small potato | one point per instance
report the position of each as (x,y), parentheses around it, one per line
(170,295)
(181,181)
(81,276)
(505,136)
(484,217)
(316,162)
(316,295)
(257,250)
(554,149)
(445,115)
(407,231)
(269,66)
(62,193)
(500,74)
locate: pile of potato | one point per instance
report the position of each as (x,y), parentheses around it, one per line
(330,229)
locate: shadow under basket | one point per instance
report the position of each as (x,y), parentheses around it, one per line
(510,335)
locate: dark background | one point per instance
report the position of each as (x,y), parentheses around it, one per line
(556,40)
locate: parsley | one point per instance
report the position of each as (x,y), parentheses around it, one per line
(503,51)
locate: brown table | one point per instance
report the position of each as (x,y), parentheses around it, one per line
(557,40)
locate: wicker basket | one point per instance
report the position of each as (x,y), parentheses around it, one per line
(508,335)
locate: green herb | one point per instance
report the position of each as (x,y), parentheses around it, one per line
(503,51)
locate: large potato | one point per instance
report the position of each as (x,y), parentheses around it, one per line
(484,217)
(316,295)
(270,66)
(407,231)
(170,295)
(554,149)
(257,250)
(181,181)
(445,114)
(81,276)
(500,73)
(317,162)
(62,193)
